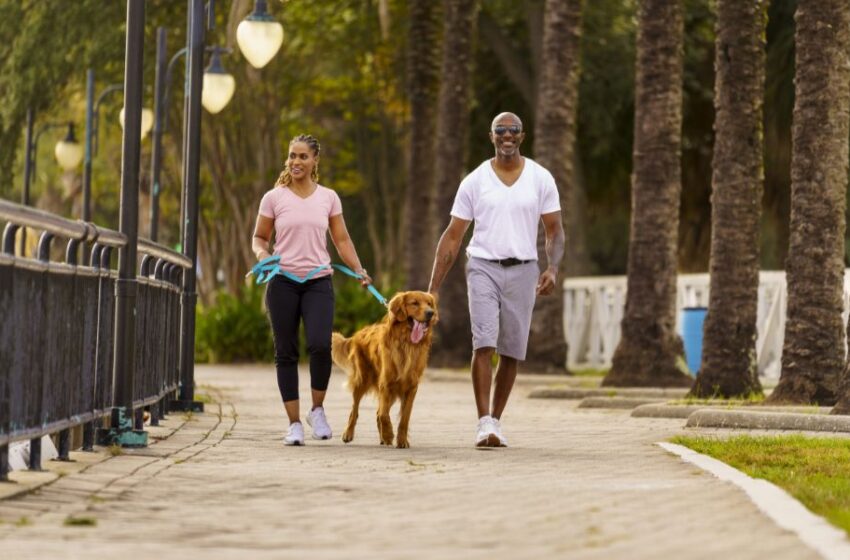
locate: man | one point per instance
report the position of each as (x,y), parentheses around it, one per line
(506,197)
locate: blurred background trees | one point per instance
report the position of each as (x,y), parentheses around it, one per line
(343,75)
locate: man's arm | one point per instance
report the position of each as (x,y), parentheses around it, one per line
(447,250)
(554,252)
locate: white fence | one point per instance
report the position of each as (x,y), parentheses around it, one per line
(593,309)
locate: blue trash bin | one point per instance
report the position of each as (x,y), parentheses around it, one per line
(692,320)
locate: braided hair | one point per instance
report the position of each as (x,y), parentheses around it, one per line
(285,178)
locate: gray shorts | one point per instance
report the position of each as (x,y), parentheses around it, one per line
(501,299)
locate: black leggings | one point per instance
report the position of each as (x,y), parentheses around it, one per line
(287,302)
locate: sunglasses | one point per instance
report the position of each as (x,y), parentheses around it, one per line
(499,130)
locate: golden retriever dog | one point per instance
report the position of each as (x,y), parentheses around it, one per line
(389,358)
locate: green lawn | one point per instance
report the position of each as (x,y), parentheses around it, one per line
(816,471)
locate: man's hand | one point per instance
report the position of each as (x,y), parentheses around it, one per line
(546,283)
(262,255)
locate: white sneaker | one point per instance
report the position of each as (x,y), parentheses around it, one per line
(294,435)
(317,421)
(487,435)
(497,428)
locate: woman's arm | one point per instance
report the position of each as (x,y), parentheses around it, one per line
(262,235)
(345,247)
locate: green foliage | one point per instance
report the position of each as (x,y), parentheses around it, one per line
(234,328)
(816,471)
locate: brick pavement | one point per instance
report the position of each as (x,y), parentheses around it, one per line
(574,484)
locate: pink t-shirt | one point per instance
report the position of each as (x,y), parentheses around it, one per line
(301,227)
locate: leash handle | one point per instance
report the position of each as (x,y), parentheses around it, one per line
(265,269)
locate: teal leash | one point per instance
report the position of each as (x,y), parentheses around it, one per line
(269,267)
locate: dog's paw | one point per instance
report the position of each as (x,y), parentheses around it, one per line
(402,444)
(347,436)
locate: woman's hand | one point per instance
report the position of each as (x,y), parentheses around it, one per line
(366,279)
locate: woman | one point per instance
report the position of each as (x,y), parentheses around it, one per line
(301,212)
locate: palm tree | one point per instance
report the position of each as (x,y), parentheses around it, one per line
(729,348)
(459,27)
(554,148)
(813,351)
(650,353)
(423,83)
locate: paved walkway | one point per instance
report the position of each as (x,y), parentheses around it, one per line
(573,484)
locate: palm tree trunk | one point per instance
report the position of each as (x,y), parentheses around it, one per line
(555,136)
(813,351)
(650,353)
(455,346)
(729,348)
(423,83)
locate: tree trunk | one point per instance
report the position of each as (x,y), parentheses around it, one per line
(555,135)
(423,83)
(813,352)
(453,338)
(729,348)
(650,353)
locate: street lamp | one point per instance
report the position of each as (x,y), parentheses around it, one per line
(68,154)
(218,85)
(259,36)
(147,120)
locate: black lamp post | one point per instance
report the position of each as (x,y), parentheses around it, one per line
(121,430)
(92,140)
(164,72)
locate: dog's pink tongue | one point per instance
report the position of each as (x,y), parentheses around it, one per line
(417,332)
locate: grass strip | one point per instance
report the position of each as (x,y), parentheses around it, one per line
(814,470)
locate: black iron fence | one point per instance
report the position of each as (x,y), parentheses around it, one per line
(57,330)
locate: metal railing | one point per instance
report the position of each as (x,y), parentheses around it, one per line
(57,331)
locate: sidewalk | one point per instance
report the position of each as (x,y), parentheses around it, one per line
(573,484)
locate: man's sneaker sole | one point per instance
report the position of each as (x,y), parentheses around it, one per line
(321,437)
(492,440)
(293,443)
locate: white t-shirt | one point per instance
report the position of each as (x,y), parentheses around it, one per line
(506,218)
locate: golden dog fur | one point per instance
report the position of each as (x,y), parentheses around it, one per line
(382,358)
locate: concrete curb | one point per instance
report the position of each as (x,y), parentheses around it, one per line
(463,376)
(785,510)
(739,419)
(665,410)
(616,402)
(633,392)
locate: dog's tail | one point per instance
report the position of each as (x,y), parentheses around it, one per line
(340,348)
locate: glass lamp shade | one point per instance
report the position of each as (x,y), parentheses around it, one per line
(147,120)
(69,154)
(259,40)
(217,91)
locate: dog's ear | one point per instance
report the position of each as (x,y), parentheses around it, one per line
(397,307)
